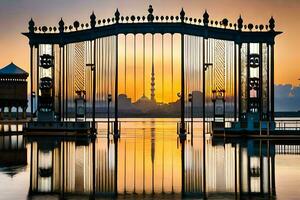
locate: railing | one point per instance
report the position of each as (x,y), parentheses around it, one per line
(150,17)
(287,149)
(287,125)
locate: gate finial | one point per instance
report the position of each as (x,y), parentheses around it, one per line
(182,14)
(61,25)
(150,16)
(205,18)
(76,25)
(272,24)
(240,23)
(31,26)
(93,20)
(117,16)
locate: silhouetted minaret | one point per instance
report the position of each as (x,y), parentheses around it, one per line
(152,84)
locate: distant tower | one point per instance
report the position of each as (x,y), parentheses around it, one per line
(152,84)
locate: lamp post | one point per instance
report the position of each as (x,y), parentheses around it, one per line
(109,99)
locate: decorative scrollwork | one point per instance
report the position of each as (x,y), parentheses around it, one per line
(254,60)
(46,61)
(254,84)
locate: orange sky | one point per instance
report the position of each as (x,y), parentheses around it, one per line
(14,16)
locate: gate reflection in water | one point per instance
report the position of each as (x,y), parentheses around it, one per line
(148,160)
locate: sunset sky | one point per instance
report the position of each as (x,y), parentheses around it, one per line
(15,14)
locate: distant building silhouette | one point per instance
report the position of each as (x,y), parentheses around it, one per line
(144,104)
(13,90)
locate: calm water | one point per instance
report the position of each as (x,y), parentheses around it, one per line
(147,162)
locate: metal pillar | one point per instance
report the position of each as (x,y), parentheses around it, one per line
(203,119)
(63,84)
(94,87)
(38,77)
(235,84)
(272,82)
(248,78)
(59,80)
(268,83)
(53,78)
(31,82)
(66,77)
(240,80)
(261,109)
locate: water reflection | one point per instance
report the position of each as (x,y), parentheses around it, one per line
(150,163)
(13,151)
(236,168)
(148,159)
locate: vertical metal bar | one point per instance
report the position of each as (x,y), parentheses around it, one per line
(268,82)
(125,67)
(31,84)
(203,116)
(63,84)
(182,97)
(116,131)
(144,64)
(163,67)
(248,77)
(235,82)
(134,65)
(240,80)
(172,67)
(53,78)
(94,85)
(272,82)
(67,85)
(59,87)
(261,109)
(38,76)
